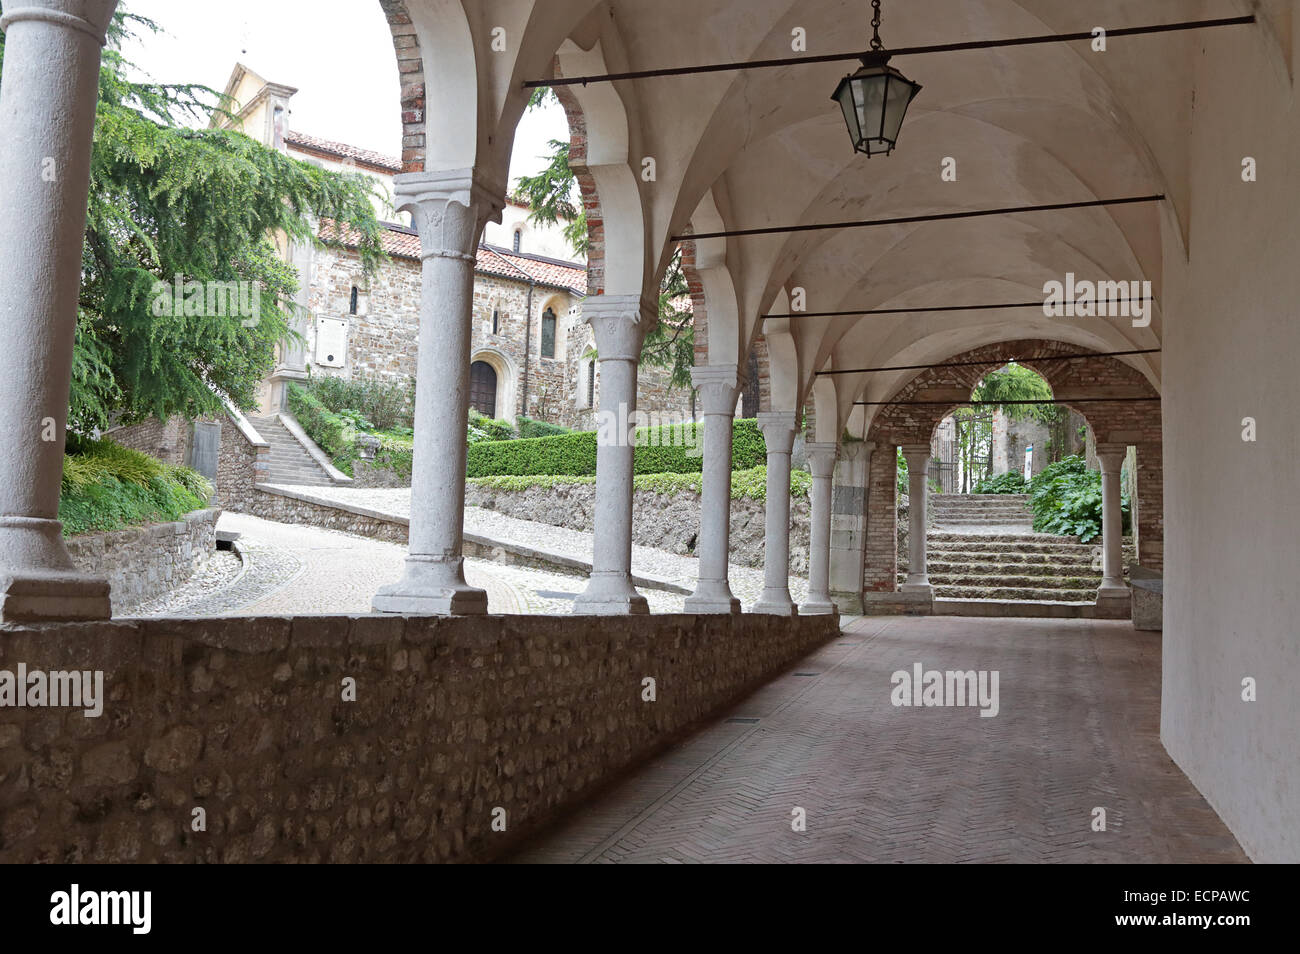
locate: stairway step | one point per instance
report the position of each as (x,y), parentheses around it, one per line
(1018,594)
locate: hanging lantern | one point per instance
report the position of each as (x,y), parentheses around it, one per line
(875,98)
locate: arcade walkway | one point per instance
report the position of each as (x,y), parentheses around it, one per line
(1076,730)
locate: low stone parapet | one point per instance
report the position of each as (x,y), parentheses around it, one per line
(355,738)
(143,563)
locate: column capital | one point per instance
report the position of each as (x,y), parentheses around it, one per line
(916,452)
(821,457)
(448,209)
(1111,456)
(620,324)
(90,17)
(718,385)
(778,429)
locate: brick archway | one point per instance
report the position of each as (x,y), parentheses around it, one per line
(1136,423)
(410,64)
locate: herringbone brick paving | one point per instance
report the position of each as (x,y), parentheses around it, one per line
(1077,729)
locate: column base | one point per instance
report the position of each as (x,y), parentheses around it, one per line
(57,596)
(818,607)
(431,587)
(924,591)
(1114,601)
(776,604)
(850,604)
(610,594)
(712,596)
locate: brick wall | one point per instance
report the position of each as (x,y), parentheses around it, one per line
(453,718)
(410,67)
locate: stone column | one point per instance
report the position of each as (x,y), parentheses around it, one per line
(848,541)
(1112,590)
(47,116)
(821,460)
(918,493)
(620,323)
(778,431)
(449,210)
(718,386)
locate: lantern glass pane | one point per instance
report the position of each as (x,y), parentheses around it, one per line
(896,102)
(850,113)
(872,94)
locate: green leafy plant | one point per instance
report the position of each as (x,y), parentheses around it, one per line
(528,427)
(1066,500)
(1012,482)
(110,487)
(371,403)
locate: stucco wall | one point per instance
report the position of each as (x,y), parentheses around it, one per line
(452,718)
(1232,517)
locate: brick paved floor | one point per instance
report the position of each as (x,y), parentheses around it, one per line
(1077,729)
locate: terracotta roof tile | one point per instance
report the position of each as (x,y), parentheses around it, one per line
(401,242)
(342,150)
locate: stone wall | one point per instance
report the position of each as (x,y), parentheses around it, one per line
(286,507)
(667,522)
(142,563)
(452,718)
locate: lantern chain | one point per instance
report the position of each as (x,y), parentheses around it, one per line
(875,26)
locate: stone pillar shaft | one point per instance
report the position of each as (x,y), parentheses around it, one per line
(821,460)
(450,209)
(849,525)
(620,323)
(1111,458)
(718,386)
(47,117)
(778,431)
(918,487)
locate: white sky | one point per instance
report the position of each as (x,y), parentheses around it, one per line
(338,53)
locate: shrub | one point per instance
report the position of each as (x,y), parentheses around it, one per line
(329,430)
(750,483)
(371,402)
(666,449)
(109,487)
(1066,500)
(1012,482)
(496,428)
(530,428)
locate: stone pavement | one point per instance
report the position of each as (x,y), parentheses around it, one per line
(746,582)
(1077,729)
(295,569)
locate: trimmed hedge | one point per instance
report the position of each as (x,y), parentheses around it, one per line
(110,487)
(668,449)
(750,483)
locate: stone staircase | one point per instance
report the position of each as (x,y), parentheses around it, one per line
(982,547)
(290,462)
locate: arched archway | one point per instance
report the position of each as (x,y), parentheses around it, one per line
(492,384)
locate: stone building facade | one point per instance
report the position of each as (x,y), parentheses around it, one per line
(532,354)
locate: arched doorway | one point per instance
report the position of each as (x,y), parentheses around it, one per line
(483,388)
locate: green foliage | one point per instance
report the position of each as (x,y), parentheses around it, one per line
(1016,382)
(667,449)
(903,482)
(496,429)
(372,404)
(1066,500)
(529,428)
(168,201)
(330,431)
(110,487)
(745,484)
(1012,482)
(395,453)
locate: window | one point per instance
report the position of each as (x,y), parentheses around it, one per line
(496,321)
(519,239)
(591,384)
(356,295)
(548,334)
